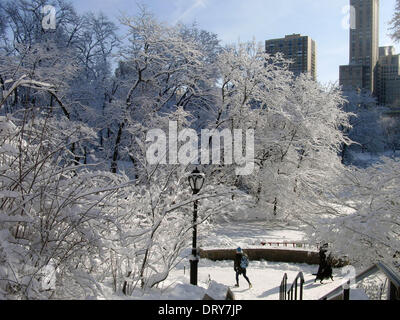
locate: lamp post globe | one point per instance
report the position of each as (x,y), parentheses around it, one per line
(196,181)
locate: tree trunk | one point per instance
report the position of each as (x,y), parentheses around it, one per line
(275,206)
(114,163)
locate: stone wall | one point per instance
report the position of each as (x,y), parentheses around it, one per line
(268,254)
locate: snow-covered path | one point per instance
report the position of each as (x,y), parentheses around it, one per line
(265,277)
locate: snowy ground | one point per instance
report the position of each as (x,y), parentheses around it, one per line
(265,276)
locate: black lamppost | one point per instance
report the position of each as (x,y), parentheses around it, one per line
(196,181)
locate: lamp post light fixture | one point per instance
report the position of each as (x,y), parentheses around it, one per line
(196,181)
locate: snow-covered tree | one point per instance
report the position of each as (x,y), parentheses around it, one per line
(297,126)
(76,58)
(68,120)
(162,69)
(365,127)
(395,22)
(366,224)
(390,125)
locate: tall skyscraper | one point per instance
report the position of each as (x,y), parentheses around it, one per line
(300,49)
(388,77)
(364,47)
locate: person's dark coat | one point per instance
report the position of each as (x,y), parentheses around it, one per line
(325,266)
(237,261)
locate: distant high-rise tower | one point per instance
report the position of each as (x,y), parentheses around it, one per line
(388,77)
(364,47)
(300,49)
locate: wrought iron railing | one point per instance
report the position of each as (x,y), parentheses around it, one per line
(282,289)
(394,283)
(296,290)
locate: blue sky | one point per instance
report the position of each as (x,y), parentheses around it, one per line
(244,20)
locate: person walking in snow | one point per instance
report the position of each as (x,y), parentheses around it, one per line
(240,265)
(325,265)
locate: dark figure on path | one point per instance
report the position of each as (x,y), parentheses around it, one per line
(240,266)
(325,265)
